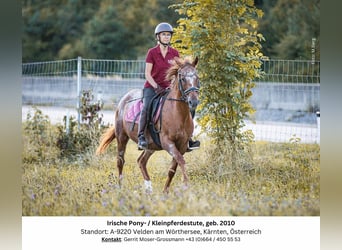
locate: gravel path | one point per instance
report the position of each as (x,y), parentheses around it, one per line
(266,130)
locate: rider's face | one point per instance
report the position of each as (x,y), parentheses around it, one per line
(165,37)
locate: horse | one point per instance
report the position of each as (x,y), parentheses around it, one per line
(175,123)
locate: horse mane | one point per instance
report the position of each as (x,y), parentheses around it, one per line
(177,63)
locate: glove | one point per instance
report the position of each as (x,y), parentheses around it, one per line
(159,90)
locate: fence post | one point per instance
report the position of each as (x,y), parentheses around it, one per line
(79,76)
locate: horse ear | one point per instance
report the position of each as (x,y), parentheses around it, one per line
(194,63)
(177,60)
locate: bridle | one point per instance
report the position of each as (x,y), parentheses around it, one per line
(184,92)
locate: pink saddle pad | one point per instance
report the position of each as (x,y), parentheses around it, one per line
(133,113)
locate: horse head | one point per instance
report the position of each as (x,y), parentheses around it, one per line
(184,74)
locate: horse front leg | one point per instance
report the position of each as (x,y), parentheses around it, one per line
(171,173)
(179,159)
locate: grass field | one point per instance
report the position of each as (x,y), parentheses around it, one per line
(283,179)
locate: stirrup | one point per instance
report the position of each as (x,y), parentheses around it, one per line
(142,144)
(193,145)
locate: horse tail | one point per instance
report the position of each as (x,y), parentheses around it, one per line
(106,139)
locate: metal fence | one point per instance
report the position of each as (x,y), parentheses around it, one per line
(291,71)
(288,94)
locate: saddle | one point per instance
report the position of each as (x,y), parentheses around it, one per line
(154,114)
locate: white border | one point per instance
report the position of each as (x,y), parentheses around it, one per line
(281,233)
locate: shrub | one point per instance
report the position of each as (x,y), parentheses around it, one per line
(75,140)
(38,138)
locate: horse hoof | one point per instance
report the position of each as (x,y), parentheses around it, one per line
(185,187)
(148,187)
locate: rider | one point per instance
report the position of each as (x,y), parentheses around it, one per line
(158,61)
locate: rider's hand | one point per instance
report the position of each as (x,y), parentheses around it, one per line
(159,90)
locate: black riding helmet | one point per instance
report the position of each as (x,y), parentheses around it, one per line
(162,27)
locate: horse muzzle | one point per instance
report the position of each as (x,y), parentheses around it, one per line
(193,101)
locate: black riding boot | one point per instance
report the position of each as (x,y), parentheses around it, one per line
(142,143)
(148,94)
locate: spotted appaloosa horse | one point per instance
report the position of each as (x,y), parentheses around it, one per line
(176,125)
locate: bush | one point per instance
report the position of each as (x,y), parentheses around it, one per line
(38,138)
(75,140)
(44,143)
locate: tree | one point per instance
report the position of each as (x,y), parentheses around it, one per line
(53,29)
(72,18)
(118,32)
(40,34)
(106,36)
(223,34)
(113,29)
(290,27)
(59,29)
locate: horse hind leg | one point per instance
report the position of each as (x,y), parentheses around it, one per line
(179,159)
(142,162)
(120,159)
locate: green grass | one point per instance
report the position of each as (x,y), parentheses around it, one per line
(283,179)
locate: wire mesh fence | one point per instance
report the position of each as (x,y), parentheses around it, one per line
(58,83)
(291,71)
(287,95)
